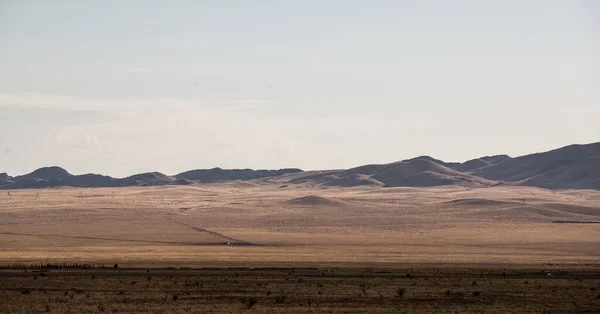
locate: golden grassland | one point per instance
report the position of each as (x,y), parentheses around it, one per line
(242,223)
(364,250)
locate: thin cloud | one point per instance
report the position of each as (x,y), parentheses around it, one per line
(52,101)
(241,101)
(136,70)
(240,104)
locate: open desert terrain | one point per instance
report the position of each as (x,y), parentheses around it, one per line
(265,223)
(263,246)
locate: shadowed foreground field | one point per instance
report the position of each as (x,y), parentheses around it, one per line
(420,289)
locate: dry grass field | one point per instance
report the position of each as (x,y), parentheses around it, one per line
(455,241)
(267,224)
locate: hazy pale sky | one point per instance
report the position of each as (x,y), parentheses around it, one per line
(120,87)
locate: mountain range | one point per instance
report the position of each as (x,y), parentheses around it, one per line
(569,167)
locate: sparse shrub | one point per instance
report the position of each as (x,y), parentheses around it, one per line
(401,291)
(364,288)
(26,291)
(448,292)
(249,302)
(48,308)
(175,297)
(476,293)
(101,306)
(281,298)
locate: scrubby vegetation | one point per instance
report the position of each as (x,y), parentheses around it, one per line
(299,290)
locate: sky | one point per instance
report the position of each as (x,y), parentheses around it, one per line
(123,87)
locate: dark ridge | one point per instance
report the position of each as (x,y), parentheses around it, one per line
(218,174)
(47,173)
(56,176)
(573,166)
(472,165)
(146,179)
(495,159)
(569,167)
(437,161)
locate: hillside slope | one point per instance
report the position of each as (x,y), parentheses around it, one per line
(56,176)
(569,167)
(581,174)
(525,168)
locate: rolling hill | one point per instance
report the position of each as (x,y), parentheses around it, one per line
(56,176)
(555,163)
(569,167)
(218,174)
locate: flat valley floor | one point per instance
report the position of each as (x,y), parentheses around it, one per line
(267,224)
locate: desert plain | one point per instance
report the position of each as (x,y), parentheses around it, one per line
(246,245)
(243,223)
